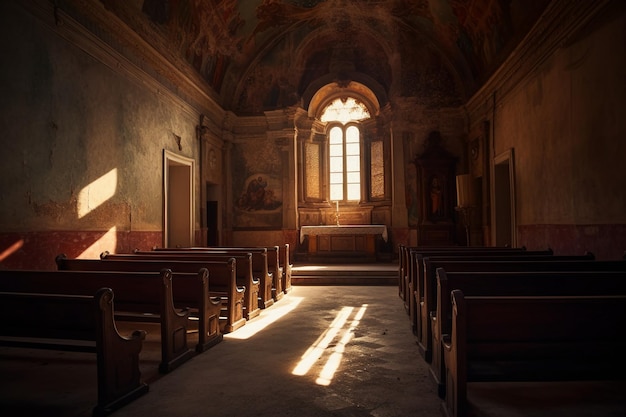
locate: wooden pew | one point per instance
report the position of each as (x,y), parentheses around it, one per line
(223,285)
(518,278)
(260,266)
(140,296)
(78,323)
(427,284)
(284,258)
(415,255)
(404,260)
(190,289)
(418,314)
(274,265)
(526,338)
(230,277)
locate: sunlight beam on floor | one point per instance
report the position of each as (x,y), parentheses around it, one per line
(332,364)
(267,317)
(316,350)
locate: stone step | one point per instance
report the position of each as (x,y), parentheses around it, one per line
(352,274)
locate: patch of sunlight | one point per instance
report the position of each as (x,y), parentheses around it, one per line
(96,193)
(11,249)
(332,364)
(317,349)
(267,317)
(312,267)
(108,242)
(345,110)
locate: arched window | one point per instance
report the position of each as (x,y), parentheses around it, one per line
(344,148)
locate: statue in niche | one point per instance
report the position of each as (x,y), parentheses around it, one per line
(436,203)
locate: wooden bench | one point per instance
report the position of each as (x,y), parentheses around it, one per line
(230,278)
(190,289)
(140,296)
(527,338)
(404,260)
(284,258)
(556,278)
(260,266)
(78,323)
(274,266)
(417,311)
(415,266)
(426,287)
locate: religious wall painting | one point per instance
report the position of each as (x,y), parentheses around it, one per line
(259,194)
(259,202)
(257,185)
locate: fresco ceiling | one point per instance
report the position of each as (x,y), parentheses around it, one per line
(261,55)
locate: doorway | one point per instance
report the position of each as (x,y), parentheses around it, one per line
(504,200)
(178,199)
(212,214)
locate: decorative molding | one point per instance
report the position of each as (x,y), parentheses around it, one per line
(554,29)
(80,22)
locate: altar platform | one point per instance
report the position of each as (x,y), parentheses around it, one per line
(380,273)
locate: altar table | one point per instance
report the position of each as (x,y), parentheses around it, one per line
(345,240)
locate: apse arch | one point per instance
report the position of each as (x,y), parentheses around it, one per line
(331,91)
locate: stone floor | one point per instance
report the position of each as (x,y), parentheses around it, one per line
(341,351)
(319,351)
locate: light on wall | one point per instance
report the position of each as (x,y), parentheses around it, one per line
(463,184)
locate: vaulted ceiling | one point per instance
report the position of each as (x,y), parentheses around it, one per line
(261,55)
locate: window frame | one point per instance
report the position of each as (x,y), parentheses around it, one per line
(344,165)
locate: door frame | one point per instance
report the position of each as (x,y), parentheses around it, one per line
(178,206)
(503,216)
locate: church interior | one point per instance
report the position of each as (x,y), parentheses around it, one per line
(344,130)
(113,108)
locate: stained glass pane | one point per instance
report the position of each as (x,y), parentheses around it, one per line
(336,135)
(352,149)
(336,178)
(345,111)
(352,134)
(336,164)
(336,192)
(353,163)
(335,150)
(353,178)
(354,192)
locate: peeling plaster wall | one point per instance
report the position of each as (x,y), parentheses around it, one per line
(566,126)
(82,149)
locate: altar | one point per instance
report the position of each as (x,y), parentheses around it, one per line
(345,241)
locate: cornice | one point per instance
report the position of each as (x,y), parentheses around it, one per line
(99,33)
(554,29)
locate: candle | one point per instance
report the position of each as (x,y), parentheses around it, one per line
(337,206)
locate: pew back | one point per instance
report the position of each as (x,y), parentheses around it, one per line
(197,293)
(536,283)
(78,323)
(532,338)
(260,267)
(136,294)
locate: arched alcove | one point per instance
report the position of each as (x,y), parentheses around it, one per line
(315,174)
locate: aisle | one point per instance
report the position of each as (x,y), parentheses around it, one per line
(362,361)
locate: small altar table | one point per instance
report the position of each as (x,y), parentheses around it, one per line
(344,240)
